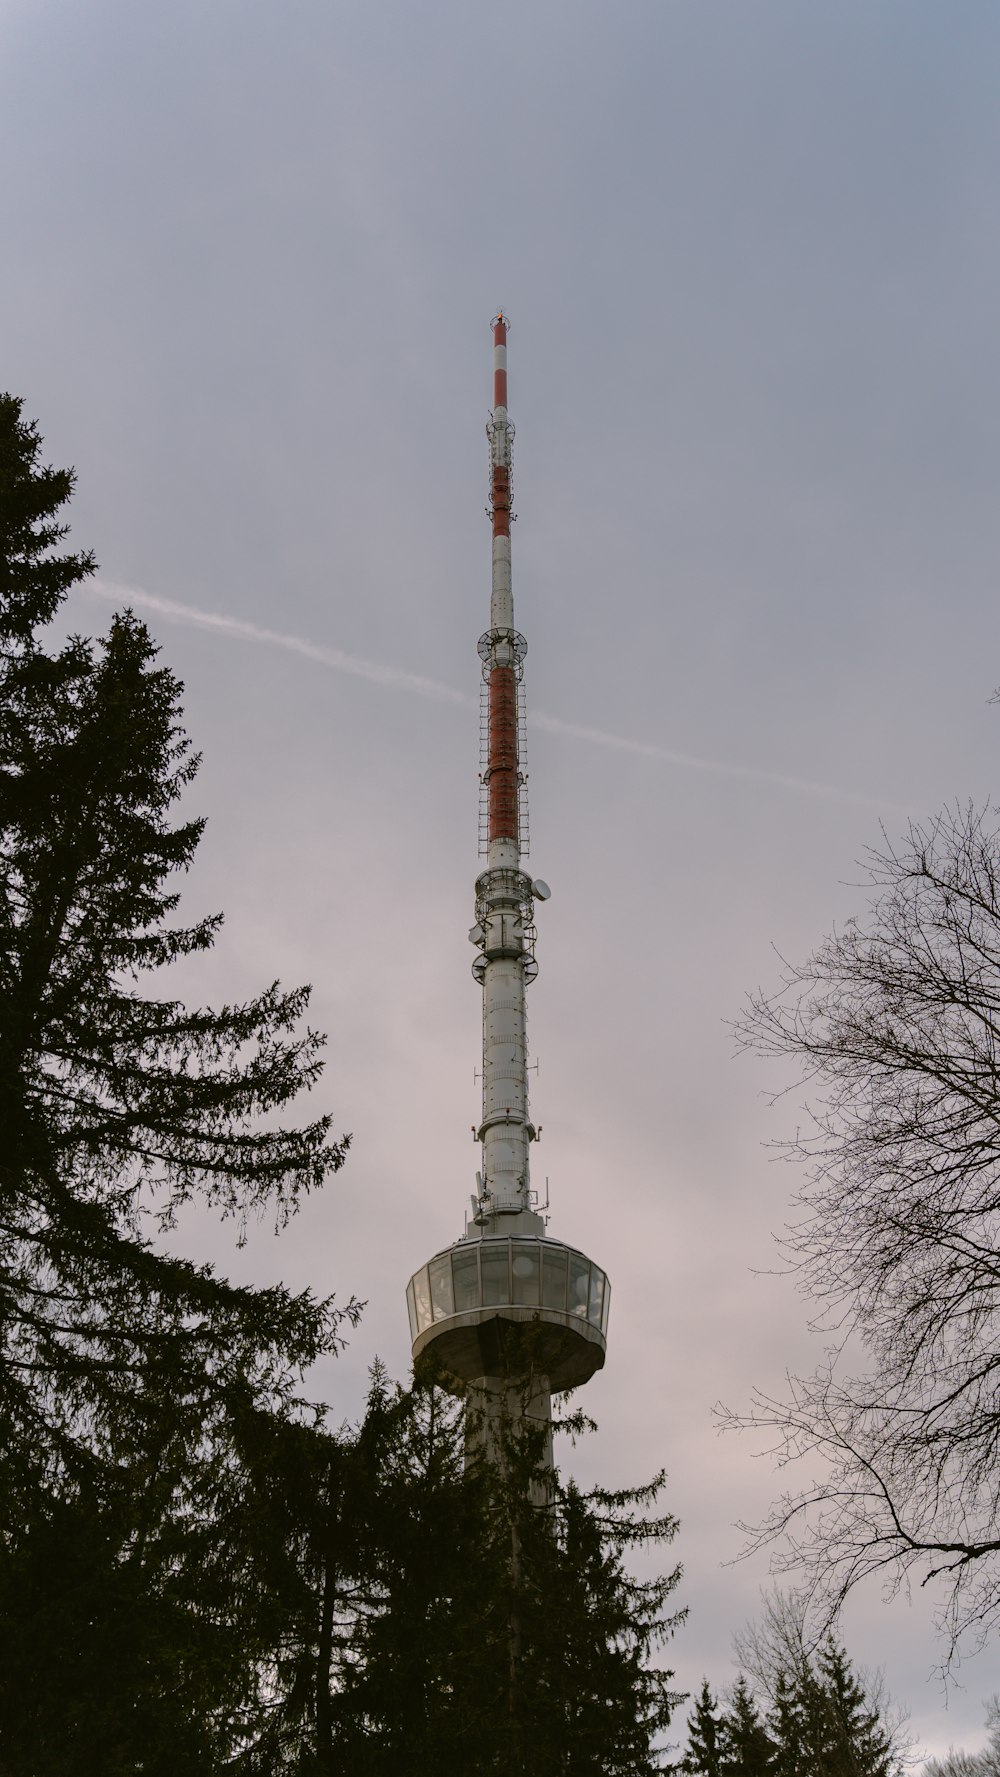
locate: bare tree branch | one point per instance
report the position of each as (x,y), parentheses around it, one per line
(895,1024)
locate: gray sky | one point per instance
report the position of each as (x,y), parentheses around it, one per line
(750,251)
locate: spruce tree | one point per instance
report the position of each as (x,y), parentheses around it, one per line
(822,1722)
(858,1742)
(747,1750)
(512,1637)
(703,1754)
(123,1369)
(594,1630)
(119,1106)
(788,1726)
(394,1594)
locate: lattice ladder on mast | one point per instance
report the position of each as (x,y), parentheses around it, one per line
(484,770)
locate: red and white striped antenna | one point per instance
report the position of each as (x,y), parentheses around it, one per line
(470,1302)
(504,930)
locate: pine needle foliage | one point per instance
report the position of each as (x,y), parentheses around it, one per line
(747,1748)
(435,1615)
(821,1720)
(126,1372)
(703,1754)
(119,1106)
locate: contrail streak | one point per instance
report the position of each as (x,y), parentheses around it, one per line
(395,678)
(647,749)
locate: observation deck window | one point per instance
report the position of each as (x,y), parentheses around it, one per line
(579,1285)
(554,1279)
(525,1270)
(442,1294)
(597,1283)
(496,1282)
(465,1267)
(422,1298)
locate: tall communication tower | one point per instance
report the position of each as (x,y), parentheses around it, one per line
(473,1303)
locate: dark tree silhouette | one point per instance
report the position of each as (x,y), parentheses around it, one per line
(747,1749)
(391,1593)
(703,1753)
(124,1368)
(894,1021)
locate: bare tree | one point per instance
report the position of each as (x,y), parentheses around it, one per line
(774,1646)
(895,1022)
(958,1763)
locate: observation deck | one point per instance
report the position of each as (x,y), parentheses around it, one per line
(470,1303)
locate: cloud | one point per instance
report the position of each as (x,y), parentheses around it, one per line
(395,678)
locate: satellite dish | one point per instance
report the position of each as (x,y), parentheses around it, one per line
(476,934)
(540,889)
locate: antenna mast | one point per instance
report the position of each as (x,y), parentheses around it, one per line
(473,1302)
(504,929)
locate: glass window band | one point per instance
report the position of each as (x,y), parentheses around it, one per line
(507,1273)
